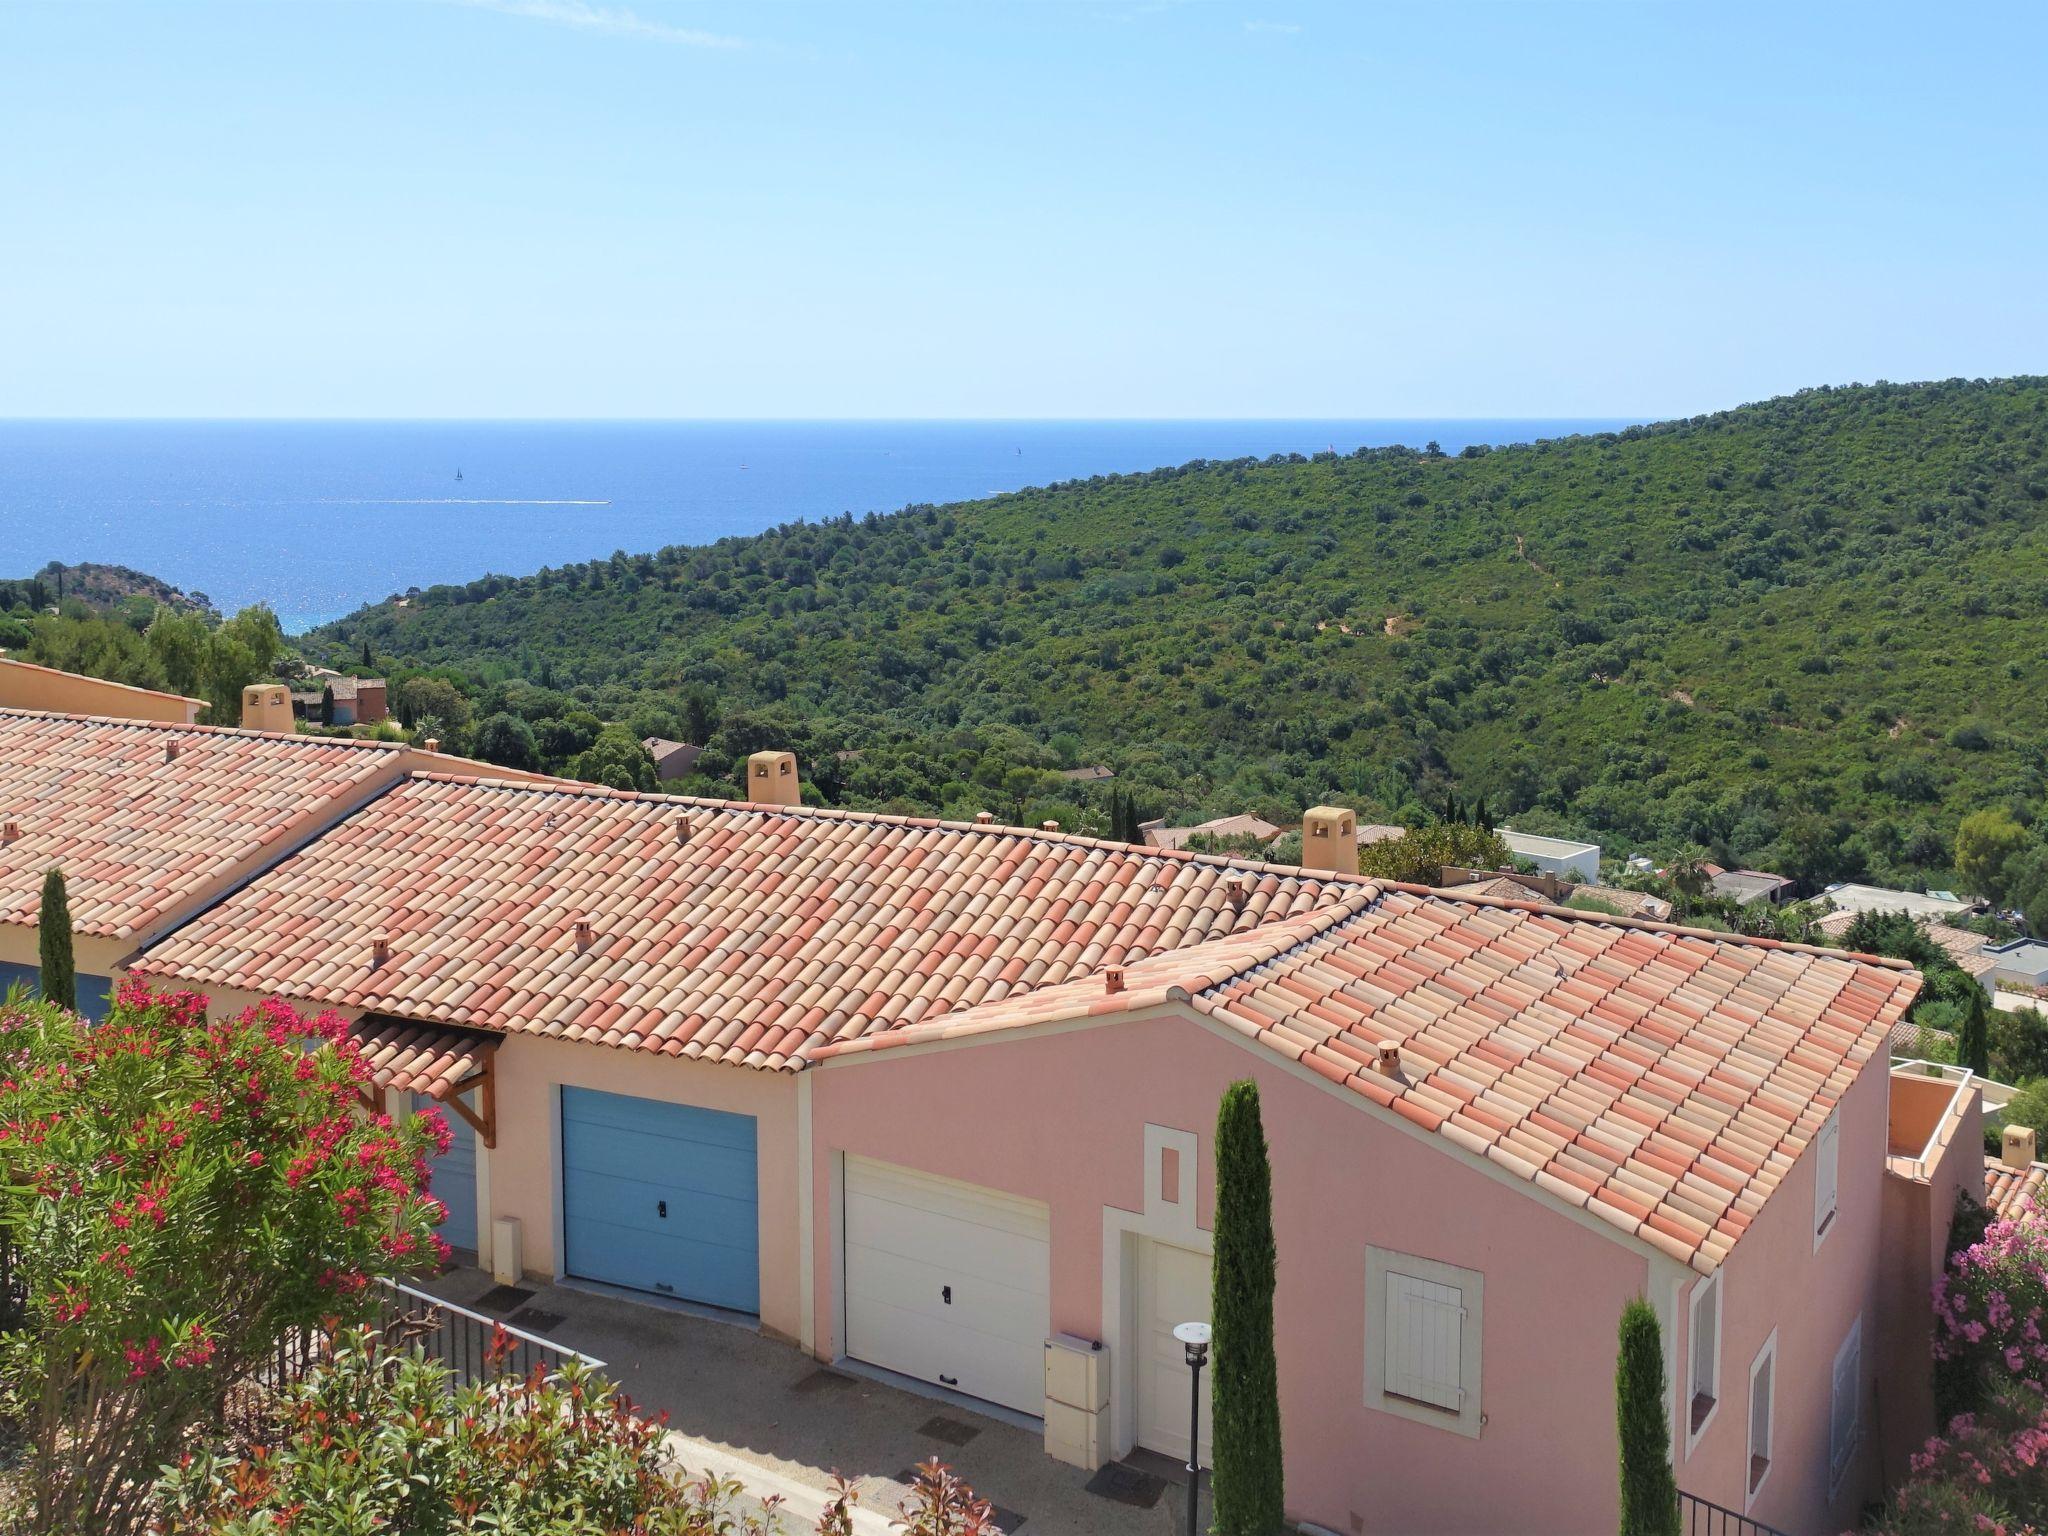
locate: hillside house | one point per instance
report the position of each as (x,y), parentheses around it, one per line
(929,1098)
(1158,835)
(672,759)
(1100,773)
(1555,855)
(1924,906)
(1745,886)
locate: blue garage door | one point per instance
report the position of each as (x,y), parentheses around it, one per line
(454,1180)
(660,1197)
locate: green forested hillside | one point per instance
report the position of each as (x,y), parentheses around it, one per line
(1807,634)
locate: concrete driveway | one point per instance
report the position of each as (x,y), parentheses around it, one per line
(781,1421)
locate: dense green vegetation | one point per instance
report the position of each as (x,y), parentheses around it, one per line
(1803,635)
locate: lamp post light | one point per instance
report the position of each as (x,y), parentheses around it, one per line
(1194,1338)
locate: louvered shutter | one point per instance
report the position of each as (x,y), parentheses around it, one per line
(1827,1159)
(1842,1418)
(1425,1341)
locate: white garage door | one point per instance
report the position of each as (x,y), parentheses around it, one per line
(1173,1288)
(947,1282)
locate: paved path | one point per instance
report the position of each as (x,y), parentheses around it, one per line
(743,1405)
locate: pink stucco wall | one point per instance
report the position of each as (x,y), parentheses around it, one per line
(1060,1118)
(1775,1279)
(1920,1201)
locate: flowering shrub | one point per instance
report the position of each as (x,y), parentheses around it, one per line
(180,1194)
(1991,1308)
(1988,1474)
(376,1441)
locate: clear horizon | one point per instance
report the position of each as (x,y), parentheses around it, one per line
(557,210)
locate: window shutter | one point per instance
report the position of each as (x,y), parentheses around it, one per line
(1425,1341)
(1706,1321)
(1842,1420)
(1826,1161)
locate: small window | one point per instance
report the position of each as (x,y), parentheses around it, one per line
(1845,1412)
(1423,1322)
(1826,1162)
(1703,1358)
(1762,1383)
(1424,1340)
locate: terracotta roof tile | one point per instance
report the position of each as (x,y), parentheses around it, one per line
(848,922)
(419,1058)
(2009,1191)
(1706,1091)
(144,817)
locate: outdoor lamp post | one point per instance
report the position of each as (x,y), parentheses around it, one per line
(1194,1338)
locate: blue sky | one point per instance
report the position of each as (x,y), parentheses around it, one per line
(1131,209)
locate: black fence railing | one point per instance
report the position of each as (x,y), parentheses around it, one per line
(1698,1517)
(474,1347)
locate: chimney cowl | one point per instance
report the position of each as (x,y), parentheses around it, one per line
(2019,1147)
(1048,826)
(682,826)
(1113,979)
(10,829)
(585,932)
(1390,1058)
(1329,839)
(380,948)
(984,818)
(772,779)
(431,744)
(171,751)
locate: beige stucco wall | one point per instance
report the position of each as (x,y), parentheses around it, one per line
(26,686)
(524,1177)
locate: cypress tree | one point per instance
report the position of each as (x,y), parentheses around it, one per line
(53,941)
(1249,1496)
(1649,1492)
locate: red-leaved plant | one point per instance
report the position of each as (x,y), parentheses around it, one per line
(181,1197)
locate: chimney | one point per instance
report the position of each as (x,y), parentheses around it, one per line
(1329,840)
(267,707)
(380,949)
(1113,979)
(1048,826)
(984,818)
(772,780)
(170,751)
(683,827)
(1390,1058)
(2020,1147)
(585,933)
(1235,889)
(431,744)
(10,829)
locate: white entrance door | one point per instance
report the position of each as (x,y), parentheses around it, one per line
(1173,1288)
(948,1282)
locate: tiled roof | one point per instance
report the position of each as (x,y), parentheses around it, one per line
(1661,1079)
(2007,1190)
(420,1058)
(1629,903)
(1223,826)
(1506,887)
(137,827)
(755,934)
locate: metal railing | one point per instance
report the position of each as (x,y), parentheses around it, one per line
(1698,1517)
(473,1347)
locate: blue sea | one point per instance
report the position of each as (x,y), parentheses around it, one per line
(319,518)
